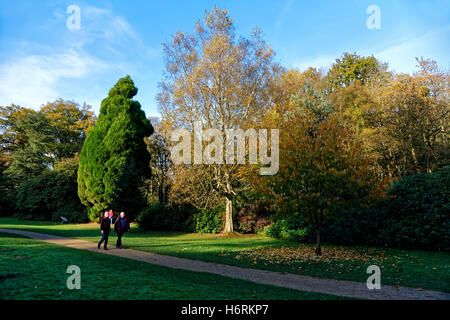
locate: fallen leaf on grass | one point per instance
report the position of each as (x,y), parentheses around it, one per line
(291,255)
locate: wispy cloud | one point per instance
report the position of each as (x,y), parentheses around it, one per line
(32,80)
(401,55)
(433,44)
(102,24)
(283,12)
(37,73)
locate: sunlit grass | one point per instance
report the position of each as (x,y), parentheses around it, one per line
(419,269)
(31,269)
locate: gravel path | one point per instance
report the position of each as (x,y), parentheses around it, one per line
(287,280)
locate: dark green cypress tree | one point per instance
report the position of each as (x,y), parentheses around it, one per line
(114,158)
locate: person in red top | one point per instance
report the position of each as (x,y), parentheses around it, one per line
(120,227)
(111,215)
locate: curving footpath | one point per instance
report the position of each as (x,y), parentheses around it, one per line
(343,288)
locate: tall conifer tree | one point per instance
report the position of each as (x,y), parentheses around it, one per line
(114,158)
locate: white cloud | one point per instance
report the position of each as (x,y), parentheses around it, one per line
(433,44)
(103,24)
(37,73)
(400,56)
(92,11)
(31,81)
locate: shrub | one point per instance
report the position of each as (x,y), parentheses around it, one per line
(208,220)
(181,218)
(420,211)
(416,215)
(47,195)
(165,218)
(284,229)
(7,204)
(253,218)
(71,214)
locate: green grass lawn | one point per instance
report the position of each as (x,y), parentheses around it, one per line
(32,269)
(419,269)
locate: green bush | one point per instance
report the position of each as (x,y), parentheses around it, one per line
(73,215)
(7,203)
(415,216)
(420,211)
(182,218)
(208,220)
(48,195)
(290,230)
(165,218)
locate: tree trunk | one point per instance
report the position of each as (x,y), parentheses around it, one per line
(161,192)
(318,246)
(228,216)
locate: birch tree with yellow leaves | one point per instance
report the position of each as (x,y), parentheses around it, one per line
(218,80)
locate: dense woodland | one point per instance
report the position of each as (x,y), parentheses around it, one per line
(364,155)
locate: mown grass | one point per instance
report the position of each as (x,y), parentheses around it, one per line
(419,269)
(32,269)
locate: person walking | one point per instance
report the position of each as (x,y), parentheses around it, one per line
(111,215)
(120,227)
(105,228)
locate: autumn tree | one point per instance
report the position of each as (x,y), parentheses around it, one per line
(352,67)
(222,81)
(158,185)
(114,158)
(289,83)
(70,123)
(11,138)
(410,123)
(67,121)
(322,171)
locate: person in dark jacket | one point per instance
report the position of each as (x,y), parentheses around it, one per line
(105,228)
(120,227)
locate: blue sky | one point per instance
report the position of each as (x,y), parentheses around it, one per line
(42,60)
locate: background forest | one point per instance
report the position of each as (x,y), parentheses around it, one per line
(364,155)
